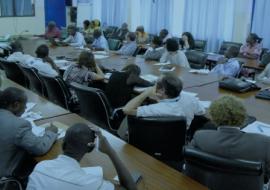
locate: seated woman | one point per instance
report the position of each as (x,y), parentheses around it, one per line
(120,86)
(174,55)
(265,75)
(142,36)
(43,63)
(129,47)
(252,49)
(187,41)
(52,31)
(229,66)
(121,33)
(156,50)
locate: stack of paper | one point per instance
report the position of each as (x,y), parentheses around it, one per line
(199,71)
(40,130)
(258,127)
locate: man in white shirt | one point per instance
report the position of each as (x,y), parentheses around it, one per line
(171,102)
(65,172)
(75,38)
(228,66)
(17,54)
(100,43)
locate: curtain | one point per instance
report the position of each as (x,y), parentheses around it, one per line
(6,7)
(260,22)
(17,7)
(210,20)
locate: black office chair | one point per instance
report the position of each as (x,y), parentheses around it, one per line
(226,45)
(13,72)
(35,83)
(200,45)
(95,107)
(196,59)
(10,183)
(161,137)
(109,31)
(58,91)
(219,173)
(114,44)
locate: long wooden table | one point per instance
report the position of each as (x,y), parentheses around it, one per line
(156,175)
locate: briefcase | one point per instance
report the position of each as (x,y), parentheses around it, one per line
(264,94)
(237,85)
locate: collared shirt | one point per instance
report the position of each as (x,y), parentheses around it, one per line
(20,57)
(256,49)
(65,173)
(101,42)
(128,49)
(77,40)
(177,58)
(265,75)
(166,38)
(184,105)
(54,33)
(228,69)
(154,53)
(42,67)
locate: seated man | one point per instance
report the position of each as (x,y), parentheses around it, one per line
(17,54)
(129,47)
(265,75)
(164,35)
(229,114)
(228,66)
(155,51)
(17,140)
(65,172)
(121,33)
(171,102)
(43,63)
(75,38)
(100,43)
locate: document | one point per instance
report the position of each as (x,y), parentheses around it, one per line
(40,130)
(150,78)
(98,56)
(199,71)
(162,64)
(258,127)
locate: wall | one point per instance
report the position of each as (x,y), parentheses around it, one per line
(17,25)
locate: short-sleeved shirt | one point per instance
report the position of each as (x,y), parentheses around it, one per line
(177,58)
(41,66)
(77,40)
(229,69)
(128,49)
(101,42)
(184,105)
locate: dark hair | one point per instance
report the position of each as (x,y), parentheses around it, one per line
(132,36)
(234,51)
(86,23)
(255,37)
(11,95)
(171,84)
(140,29)
(77,139)
(87,59)
(97,33)
(72,27)
(163,32)
(132,69)
(190,39)
(172,45)
(42,51)
(157,41)
(16,47)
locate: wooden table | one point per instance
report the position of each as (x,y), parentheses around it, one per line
(156,175)
(45,107)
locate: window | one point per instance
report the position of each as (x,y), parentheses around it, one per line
(17,8)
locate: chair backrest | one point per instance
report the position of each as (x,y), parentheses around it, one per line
(265,56)
(8,183)
(13,72)
(114,44)
(196,59)
(200,45)
(57,90)
(35,83)
(219,173)
(226,45)
(94,105)
(161,137)
(109,31)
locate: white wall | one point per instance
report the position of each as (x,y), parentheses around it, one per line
(17,25)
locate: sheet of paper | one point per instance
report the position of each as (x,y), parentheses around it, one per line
(161,69)
(100,52)
(205,104)
(161,64)
(97,56)
(29,106)
(189,93)
(150,78)
(199,71)
(107,75)
(39,130)
(258,127)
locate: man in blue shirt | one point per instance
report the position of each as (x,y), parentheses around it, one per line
(100,43)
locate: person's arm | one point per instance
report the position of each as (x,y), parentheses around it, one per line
(33,144)
(100,74)
(68,39)
(79,41)
(51,62)
(138,81)
(131,107)
(164,57)
(125,177)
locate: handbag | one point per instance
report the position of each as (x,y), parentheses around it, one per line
(237,85)
(264,94)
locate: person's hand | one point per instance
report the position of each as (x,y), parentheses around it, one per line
(151,91)
(104,145)
(52,128)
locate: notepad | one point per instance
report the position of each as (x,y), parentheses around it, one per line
(258,127)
